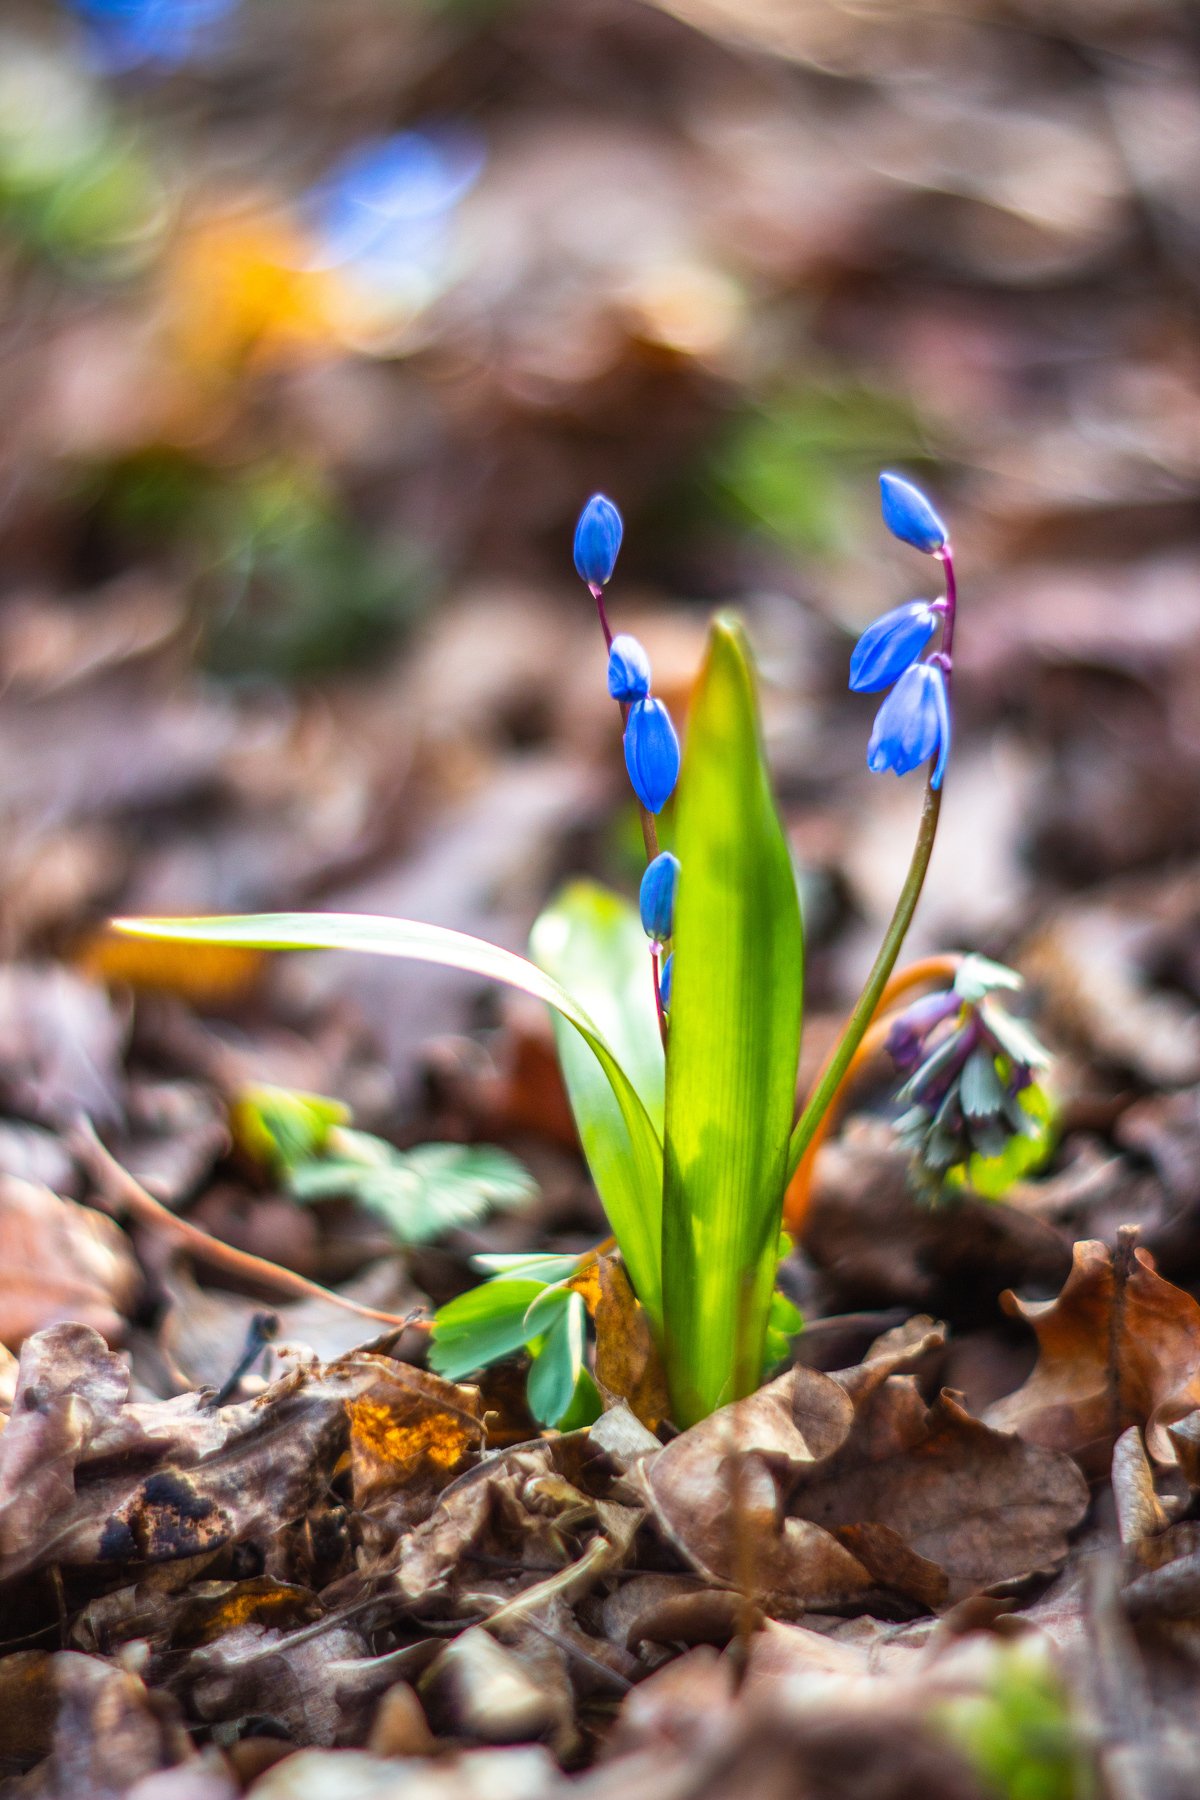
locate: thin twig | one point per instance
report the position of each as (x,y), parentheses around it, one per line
(123,1191)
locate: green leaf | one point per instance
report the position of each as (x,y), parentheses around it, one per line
(282,1126)
(783,1322)
(586,1405)
(541,1266)
(635,1225)
(556,1370)
(420,1194)
(480,1327)
(734,1045)
(592,943)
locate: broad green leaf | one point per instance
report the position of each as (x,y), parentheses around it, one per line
(734,1045)
(556,1370)
(543,1311)
(591,942)
(420,1194)
(586,1405)
(480,1327)
(634,1211)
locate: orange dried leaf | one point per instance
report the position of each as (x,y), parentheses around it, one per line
(198,972)
(627,1363)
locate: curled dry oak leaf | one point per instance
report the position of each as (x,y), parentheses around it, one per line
(822,1490)
(1118,1347)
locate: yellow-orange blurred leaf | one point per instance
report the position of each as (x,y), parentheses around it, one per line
(199,972)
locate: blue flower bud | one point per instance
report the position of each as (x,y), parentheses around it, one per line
(891,645)
(913,724)
(651,753)
(628,669)
(656,897)
(909,516)
(664,982)
(597,540)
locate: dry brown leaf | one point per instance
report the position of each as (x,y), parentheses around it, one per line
(60,1261)
(976,1504)
(1118,1347)
(410,1431)
(628,1365)
(821,1489)
(109,1732)
(174,1478)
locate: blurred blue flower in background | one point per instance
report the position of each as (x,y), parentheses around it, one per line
(164,34)
(385,212)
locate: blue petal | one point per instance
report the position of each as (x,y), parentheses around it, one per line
(909,516)
(664,981)
(909,725)
(651,753)
(628,669)
(656,897)
(891,645)
(597,540)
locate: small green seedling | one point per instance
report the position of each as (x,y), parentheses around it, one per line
(420,1194)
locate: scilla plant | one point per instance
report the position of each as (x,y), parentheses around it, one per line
(681,1064)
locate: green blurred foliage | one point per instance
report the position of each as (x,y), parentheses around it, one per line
(74,185)
(795,464)
(288,584)
(1018,1735)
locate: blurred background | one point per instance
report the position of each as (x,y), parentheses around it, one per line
(319,323)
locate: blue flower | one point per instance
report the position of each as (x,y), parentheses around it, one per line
(913,724)
(651,753)
(891,645)
(386,209)
(127,34)
(656,897)
(597,540)
(628,669)
(910,516)
(664,982)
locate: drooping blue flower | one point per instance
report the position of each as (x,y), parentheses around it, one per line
(909,516)
(891,645)
(664,982)
(651,753)
(628,669)
(913,724)
(597,540)
(656,897)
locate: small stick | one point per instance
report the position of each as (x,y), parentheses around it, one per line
(122,1191)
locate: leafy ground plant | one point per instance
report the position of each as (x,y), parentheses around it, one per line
(681,1064)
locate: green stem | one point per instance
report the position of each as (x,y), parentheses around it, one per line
(877,980)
